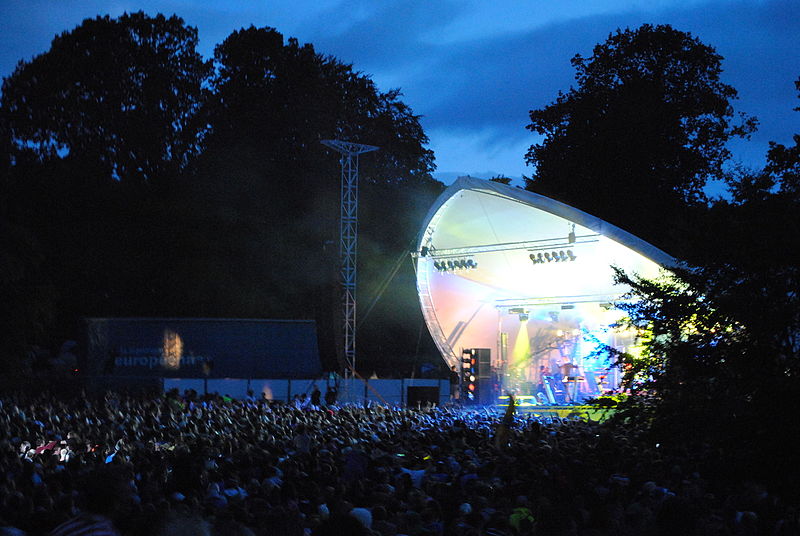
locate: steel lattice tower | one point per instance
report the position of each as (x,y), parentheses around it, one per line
(348,239)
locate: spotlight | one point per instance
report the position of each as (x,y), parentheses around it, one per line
(552,256)
(523,317)
(455,264)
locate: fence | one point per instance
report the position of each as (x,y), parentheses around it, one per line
(393,392)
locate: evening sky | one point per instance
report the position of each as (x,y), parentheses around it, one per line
(473,69)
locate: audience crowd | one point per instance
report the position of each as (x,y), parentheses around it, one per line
(210,465)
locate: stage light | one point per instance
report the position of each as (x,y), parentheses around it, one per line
(451,265)
(552,256)
(523,317)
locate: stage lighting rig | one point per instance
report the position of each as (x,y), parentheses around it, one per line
(454,264)
(544,257)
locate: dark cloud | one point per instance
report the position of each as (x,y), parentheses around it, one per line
(383,37)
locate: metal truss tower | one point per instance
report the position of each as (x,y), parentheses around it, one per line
(348,239)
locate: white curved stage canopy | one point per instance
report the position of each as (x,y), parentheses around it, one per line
(530,279)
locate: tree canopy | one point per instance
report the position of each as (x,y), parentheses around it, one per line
(721,363)
(643,130)
(153,182)
(119,93)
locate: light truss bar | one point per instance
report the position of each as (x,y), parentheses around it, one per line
(533,245)
(559,300)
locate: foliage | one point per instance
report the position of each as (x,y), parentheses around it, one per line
(96,131)
(784,162)
(268,191)
(142,180)
(637,139)
(722,364)
(120,93)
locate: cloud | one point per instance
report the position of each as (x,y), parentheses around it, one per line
(475,69)
(487,85)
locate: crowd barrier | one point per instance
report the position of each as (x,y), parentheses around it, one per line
(393,392)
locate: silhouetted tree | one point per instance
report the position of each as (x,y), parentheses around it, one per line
(722,364)
(266,199)
(98,129)
(784,162)
(137,192)
(120,94)
(636,140)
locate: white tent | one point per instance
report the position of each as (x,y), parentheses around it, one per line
(528,278)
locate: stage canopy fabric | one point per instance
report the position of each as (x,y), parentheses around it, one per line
(492,255)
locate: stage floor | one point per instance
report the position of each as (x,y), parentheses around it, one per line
(528,404)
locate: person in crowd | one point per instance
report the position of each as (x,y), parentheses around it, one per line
(316,397)
(330,396)
(455,384)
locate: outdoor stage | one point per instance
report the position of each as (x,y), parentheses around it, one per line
(527,284)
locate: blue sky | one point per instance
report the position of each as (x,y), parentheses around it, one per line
(473,69)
